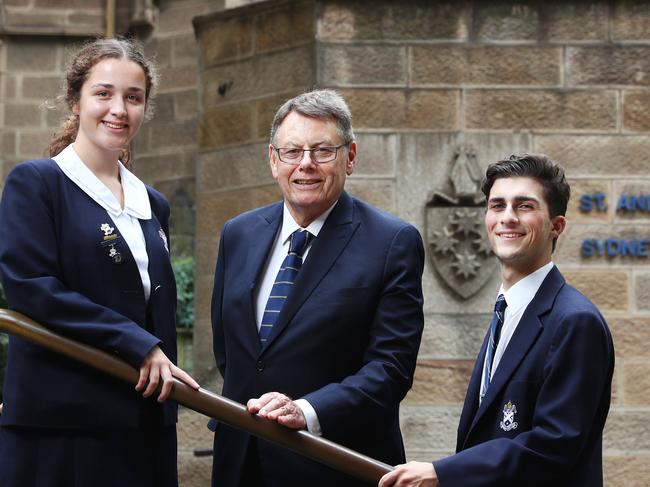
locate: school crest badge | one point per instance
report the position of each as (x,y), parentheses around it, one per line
(508,422)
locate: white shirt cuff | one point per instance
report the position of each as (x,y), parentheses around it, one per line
(313,426)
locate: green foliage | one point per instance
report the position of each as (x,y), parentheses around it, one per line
(184,272)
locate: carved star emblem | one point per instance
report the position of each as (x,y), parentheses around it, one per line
(466,264)
(466,222)
(482,245)
(444,241)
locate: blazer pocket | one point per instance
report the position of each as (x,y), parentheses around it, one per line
(343,296)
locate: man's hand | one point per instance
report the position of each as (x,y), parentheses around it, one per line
(411,474)
(277,407)
(157,367)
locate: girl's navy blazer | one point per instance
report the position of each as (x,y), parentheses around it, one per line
(58,267)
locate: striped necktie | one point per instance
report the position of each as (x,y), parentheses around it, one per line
(284,282)
(495,332)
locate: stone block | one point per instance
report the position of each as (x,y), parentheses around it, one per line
(180,77)
(569,249)
(379,193)
(57,4)
(22,115)
(595,65)
(33,144)
(631,337)
(485,65)
(440,382)
(236,167)
(206,257)
(375,64)
(163,109)
(9,86)
(30,55)
(626,471)
(506,21)
(635,111)
(598,155)
(266,109)
(627,430)
(289,25)
(185,50)
(186,104)
(274,73)
(226,125)
(592,214)
(214,209)
(161,167)
(630,20)
(177,16)
(636,384)
(412,109)
(542,110)
(376,155)
(345,19)
(8,141)
(34,22)
(609,291)
(429,427)
(642,292)
(41,87)
(160,50)
(86,22)
(226,39)
(575,21)
(173,134)
(453,337)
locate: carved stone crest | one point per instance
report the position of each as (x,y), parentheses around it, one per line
(458,245)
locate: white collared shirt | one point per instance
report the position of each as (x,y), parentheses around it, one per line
(136,205)
(274,262)
(518,297)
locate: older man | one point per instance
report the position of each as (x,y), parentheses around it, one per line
(317,307)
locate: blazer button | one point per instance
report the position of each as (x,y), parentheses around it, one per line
(259,366)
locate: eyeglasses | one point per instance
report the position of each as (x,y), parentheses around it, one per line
(319,155)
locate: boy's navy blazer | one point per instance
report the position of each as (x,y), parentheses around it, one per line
(556,372)
(56,268)
(346,339)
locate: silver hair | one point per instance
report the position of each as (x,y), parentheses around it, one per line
(320,104)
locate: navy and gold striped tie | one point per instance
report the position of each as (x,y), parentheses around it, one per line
(284,282)
(493,341)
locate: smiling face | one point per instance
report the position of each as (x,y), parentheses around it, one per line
(519,227)
(110,109)
(309,189)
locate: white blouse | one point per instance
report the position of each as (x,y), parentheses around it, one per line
(136,205)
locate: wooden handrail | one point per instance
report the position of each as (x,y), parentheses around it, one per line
(203,401)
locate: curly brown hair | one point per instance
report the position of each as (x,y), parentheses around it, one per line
(77,72)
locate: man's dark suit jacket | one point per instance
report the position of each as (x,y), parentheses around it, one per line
(346,339)
(554,382)
(56,268)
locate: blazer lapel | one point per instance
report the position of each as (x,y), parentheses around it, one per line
(528,329)
(332,239)
(261,236)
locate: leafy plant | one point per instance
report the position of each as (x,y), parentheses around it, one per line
(184,271)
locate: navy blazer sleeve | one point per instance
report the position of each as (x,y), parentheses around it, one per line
(390,356)
(34,281)
(569,411)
